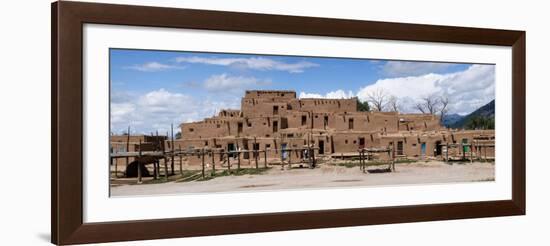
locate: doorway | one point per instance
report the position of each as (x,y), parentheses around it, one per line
(438,147)
(361,143)
(321,147)
(231,147)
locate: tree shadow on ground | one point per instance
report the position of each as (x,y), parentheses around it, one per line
(379,170)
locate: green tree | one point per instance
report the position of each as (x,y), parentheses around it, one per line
(480,123)
(363,106)
(178,135)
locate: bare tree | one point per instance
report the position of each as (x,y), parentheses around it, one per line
(444,102)
(378,99)
(393,104)
(420,107)
(429,105)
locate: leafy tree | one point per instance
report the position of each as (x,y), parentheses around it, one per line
(363,106)
(178,135)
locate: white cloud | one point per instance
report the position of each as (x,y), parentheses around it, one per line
(338,94)
(153,67)
(224,82)
(410,68)
(256,63)
(467,90)
(156,110)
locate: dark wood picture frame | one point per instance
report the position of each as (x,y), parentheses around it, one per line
(67,122)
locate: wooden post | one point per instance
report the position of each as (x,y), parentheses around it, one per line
(154,169)
(228,162)
(238,160)
(290,159)
(202,158)
(165,168)
(446,152)
(181,159)
(213,163)
(138,167)
(471,153)
(282,161)
(255,152)
(463,151)
(221,159)
(172,148)
(391,164)
(364,157)
(313,157)
(127,147)
(365,160)
(265,158)
(110,165)
(360,159)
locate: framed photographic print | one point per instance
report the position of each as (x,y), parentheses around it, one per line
(175,122)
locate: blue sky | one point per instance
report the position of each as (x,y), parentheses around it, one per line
(151,89)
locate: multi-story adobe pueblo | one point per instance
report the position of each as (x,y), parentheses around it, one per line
(277,120)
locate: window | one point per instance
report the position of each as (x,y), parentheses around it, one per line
(350,122)
(325,122)
(346,141)
(267,146)
(304,119)
(205,143)
(239,127)
(191,129)
(275,110)
(218,126)
(275,126)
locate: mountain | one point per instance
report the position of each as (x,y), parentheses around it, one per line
(486,113)
(450,119)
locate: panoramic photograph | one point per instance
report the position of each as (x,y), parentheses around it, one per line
(199,122)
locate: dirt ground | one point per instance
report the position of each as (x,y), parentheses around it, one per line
(325,175)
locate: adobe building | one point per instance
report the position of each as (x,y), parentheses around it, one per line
(275,120)
(131,143)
